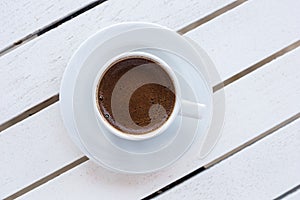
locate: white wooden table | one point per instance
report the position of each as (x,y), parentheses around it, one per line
(255,46)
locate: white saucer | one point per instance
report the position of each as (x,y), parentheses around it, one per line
(115,153)
(169,145)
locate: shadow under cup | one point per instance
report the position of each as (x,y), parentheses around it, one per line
(135,96)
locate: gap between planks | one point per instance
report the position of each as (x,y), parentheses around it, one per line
(49,27)
(289,192)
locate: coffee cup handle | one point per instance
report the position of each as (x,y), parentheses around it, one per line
(192,109)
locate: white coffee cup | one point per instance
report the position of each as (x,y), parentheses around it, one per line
(181,106)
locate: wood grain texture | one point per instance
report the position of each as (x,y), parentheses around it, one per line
(251,102)
(32,73)
(261,171)
(19,19)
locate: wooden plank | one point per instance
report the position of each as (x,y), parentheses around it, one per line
(25,150)
(251,102)
(32,73)
(249,33)
(19,19)
(264,170)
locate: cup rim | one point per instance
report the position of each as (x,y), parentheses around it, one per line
(151,134)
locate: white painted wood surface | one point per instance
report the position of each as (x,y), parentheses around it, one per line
(39,64)
(39,145)
(253,109)
(263,170)
(47,62)
(29,151)
(52,56)
(249,33)
(21,18)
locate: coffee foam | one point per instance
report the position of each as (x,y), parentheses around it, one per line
(136,95)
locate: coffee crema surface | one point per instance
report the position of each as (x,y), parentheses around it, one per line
(135,95)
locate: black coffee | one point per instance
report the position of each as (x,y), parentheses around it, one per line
(136,95)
